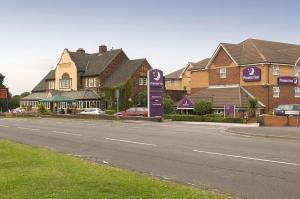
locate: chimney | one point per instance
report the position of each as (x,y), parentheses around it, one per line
(80,50)
(102,49)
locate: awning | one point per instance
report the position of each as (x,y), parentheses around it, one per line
(58,98)
(185,103)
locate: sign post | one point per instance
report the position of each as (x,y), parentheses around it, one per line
(117,95)
(155,84)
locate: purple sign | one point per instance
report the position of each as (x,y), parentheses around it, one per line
(287,80)
(185,103)
(155,93)
(229,109)
(251,74)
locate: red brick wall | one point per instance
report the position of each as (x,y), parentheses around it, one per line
(233,76)
(271,120)
(265,95)
(140,72)
(222,59)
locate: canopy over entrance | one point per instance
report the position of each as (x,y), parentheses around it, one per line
(58,98)
(185,103)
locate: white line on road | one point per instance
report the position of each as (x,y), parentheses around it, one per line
(31,129)
(248,158)
(132,142)
(65,133)
(4,126)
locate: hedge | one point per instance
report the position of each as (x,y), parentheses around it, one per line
(197,118)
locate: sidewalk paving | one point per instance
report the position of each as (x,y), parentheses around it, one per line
(225,124)
(270,132)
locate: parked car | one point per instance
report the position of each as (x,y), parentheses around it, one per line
(92,111)
(18,110)
(134,111)
(287,109)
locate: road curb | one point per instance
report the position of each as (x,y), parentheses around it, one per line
(263,136)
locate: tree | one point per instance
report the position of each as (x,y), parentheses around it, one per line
(202,107)
(141,99)
(252,106)
(169,105)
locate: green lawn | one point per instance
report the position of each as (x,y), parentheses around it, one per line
(28,172)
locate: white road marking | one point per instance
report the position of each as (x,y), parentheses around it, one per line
(31,129)
(65,133)
(248,158)
(132,142)
(4,126)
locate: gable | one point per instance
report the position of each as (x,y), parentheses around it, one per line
(221,58)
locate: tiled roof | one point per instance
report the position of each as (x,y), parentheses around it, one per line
(123,73)
(252,51)
(219,97)
(77,95)
(40,87)
(175,75)
(93,64)
(199,65)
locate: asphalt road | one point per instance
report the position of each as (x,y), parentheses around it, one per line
(204,156)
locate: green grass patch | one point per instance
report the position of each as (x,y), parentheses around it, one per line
(29,172)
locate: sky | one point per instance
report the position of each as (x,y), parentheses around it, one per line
(169,33)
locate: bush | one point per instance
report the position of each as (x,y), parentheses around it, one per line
(202,107)
(110,112)
(197,118)
(42,109)
(168,105)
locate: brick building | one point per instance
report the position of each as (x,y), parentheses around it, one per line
(81,76)
(263,69)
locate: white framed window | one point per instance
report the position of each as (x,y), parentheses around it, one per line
(297,71)
(143,81)
(65,83)
(297,91)
(276,70)
(223,73)
(276,92)
(51,85)
(90,82)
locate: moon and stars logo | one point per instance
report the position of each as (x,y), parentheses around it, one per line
(251,71)
(156,75)
(295,81)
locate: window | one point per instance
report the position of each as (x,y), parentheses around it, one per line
(297,71)
(276,70)
(65,81)
(90,82)
(143,81)
(223,73)
(51,85)
(297,91)
(276,91)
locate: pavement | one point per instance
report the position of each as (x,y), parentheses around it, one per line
(268,132)
(200,155)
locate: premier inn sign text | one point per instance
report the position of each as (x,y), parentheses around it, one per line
(251,74)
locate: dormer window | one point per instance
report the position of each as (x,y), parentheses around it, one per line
(223,73)
(65,81)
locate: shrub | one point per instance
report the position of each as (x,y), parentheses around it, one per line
(168,105)
(252,106)
(202,107)
(110,112)
(197,118)
(42,109)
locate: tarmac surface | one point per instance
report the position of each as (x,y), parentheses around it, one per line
(200,155)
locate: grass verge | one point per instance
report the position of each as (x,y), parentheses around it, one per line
(29,172)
